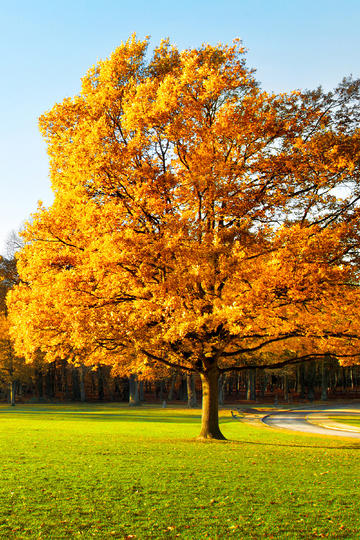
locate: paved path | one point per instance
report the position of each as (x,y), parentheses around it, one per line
(315,420)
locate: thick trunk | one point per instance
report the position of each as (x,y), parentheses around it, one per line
(210,405)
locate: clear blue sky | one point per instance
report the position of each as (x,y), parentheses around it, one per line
(46,46)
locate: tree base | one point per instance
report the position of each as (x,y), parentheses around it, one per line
(211,437)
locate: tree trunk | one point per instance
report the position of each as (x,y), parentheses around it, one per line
(82,383)
(161,390)
(100,378)
(12,393)
(141,391)
(172,387)
(286,387)
(64,378)
(351,374)
(311,381)
(75,386)
(133,391)
(343,373)
(238,383)
(324,381)
(191,392)
(263,384)
(39,384)
(251,384)
(302,381)
(210,405)
(182,394)
(50,381)
(222,380)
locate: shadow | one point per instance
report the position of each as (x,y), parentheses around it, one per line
(291,445)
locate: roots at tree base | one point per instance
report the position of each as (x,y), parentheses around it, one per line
(210,437)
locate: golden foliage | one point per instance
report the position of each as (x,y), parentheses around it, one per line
(197,219)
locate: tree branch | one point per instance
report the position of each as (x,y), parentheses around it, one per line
(289,361)
(167,362)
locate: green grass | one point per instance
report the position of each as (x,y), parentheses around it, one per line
(348,419)
(116,472)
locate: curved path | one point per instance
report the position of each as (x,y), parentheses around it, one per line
(314,420)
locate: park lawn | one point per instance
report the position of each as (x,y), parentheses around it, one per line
(110,471)
(348,419)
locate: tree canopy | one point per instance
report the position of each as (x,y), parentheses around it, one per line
(199,222)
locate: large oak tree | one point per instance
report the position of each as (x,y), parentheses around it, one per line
(198,222)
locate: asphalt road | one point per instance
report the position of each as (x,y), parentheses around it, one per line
(314,420)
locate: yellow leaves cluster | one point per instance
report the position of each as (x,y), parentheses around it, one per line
(194,215)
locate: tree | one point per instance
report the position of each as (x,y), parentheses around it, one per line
(13,369)
(199,223)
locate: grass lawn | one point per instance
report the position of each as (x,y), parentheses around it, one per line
(110,471)
(348,419)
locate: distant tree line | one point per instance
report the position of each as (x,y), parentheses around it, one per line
(62,381)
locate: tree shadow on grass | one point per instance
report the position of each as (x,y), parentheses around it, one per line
(292,445)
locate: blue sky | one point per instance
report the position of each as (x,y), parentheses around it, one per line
(47,46)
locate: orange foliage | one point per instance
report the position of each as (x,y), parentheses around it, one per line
(198,221)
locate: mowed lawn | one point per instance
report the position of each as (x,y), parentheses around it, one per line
(110,471)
